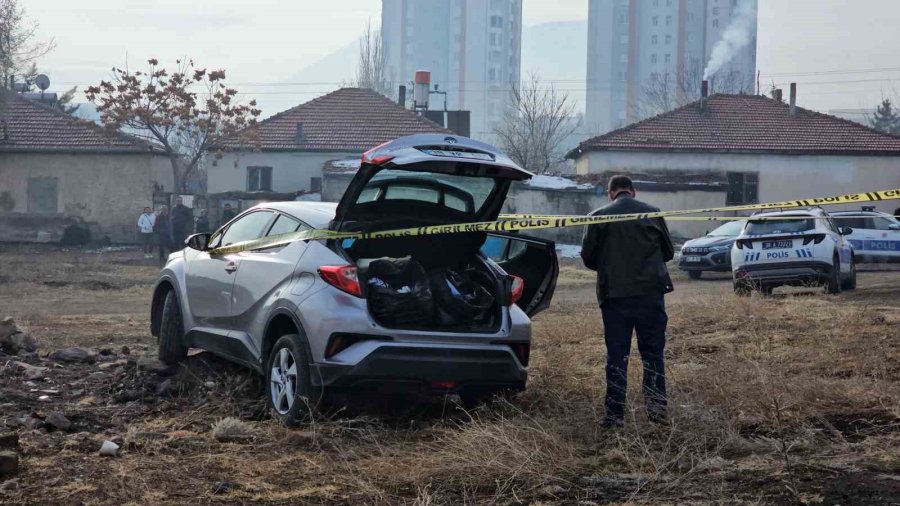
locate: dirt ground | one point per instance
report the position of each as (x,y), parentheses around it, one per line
(782,400)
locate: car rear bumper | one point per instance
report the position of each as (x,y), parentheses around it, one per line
(785,273)
(453,369)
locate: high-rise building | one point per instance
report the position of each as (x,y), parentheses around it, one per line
(645,56)
(471,47)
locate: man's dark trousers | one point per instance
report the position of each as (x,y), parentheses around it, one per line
(645,314)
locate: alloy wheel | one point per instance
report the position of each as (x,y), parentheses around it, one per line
(283,381)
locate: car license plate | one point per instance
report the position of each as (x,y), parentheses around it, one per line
(777,244)
(692,259)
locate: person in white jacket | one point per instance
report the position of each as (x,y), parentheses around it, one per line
(145,226)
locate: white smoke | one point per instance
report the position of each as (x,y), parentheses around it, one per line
(736,36)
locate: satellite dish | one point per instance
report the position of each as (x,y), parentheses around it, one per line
(42,82)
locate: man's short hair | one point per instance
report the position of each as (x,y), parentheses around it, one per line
(620,182)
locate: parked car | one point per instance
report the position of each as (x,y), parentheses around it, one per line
(875,237)
(432,312)
(804,248)
(711,252)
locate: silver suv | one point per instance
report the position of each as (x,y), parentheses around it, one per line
(443,313)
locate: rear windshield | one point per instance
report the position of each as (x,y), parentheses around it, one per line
(774,226)
(730,229)
(460,193)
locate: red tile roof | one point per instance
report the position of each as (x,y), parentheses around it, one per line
(744,124)
(29,126)
(349,119)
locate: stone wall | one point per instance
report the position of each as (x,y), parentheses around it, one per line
(106,191)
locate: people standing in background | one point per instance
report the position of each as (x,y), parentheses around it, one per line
(145,228)
(202,223)
(182,224)
(227,214)
(163,228)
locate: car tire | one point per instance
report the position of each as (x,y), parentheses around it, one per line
(742,289)
(833,285)
(850,282)
(171,343)
(290,393)
(695,274)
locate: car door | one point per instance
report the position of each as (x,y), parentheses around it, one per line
(532,259)
(209,279)
(261,272)
(885,238)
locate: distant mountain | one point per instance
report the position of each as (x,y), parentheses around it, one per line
(557,51)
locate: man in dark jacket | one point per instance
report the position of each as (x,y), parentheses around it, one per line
(630,259)
(182,224)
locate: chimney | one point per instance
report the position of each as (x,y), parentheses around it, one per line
(776,94)
(704,96)
(401,96)
(793,99)
(421,89)
(300,137)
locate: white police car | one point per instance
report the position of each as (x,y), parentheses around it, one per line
(798,248)
(875,237)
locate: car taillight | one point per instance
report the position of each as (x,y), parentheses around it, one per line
(342,277)
(517,286)
(371,157)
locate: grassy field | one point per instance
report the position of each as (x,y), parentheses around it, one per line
(783,400)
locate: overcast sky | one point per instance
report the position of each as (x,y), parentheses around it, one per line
(265,41)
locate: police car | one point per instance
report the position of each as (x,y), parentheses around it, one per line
(875,237)
(798,248)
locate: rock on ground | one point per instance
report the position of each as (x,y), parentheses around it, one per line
(75,355)
(9,463)
(15,340)
(58,421)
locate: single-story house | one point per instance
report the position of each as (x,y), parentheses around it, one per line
(767,150)
(294,145)
(56,169)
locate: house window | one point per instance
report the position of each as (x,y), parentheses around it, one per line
(655,20)
(715,23)
(43,194)
(654,39)
(715,11)
(668,58)
(668,39)
(668,20)
(743,188)
(653,58)
(259,179)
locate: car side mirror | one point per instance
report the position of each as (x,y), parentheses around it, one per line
(199,242)
(845,230)
(893,226)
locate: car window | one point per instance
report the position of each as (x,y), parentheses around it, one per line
(247,228)
(854,222)
(779,226)
(284,225)
(409,192)
(454,202)
(882,223)
(730,229)
(495,247)
(368,195)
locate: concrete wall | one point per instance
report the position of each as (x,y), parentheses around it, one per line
(107,191)
(781,177)
(291,171)
(524,199)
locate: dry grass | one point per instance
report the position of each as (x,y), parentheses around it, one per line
(779,400)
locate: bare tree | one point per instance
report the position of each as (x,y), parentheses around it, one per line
(164,108)
(667,90)
(19,47)
(371,71)
(536,124)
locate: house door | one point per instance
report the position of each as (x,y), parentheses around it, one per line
(43,195)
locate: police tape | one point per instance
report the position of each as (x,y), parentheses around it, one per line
(514,223)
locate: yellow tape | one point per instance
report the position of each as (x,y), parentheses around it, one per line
(511,223)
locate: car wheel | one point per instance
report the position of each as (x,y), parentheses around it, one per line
(695,274)
(742,289)
(289,391)
(833,285)
(850,282)
(171,347)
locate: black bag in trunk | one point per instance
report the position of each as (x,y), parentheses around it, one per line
(462,297)
(398,292)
